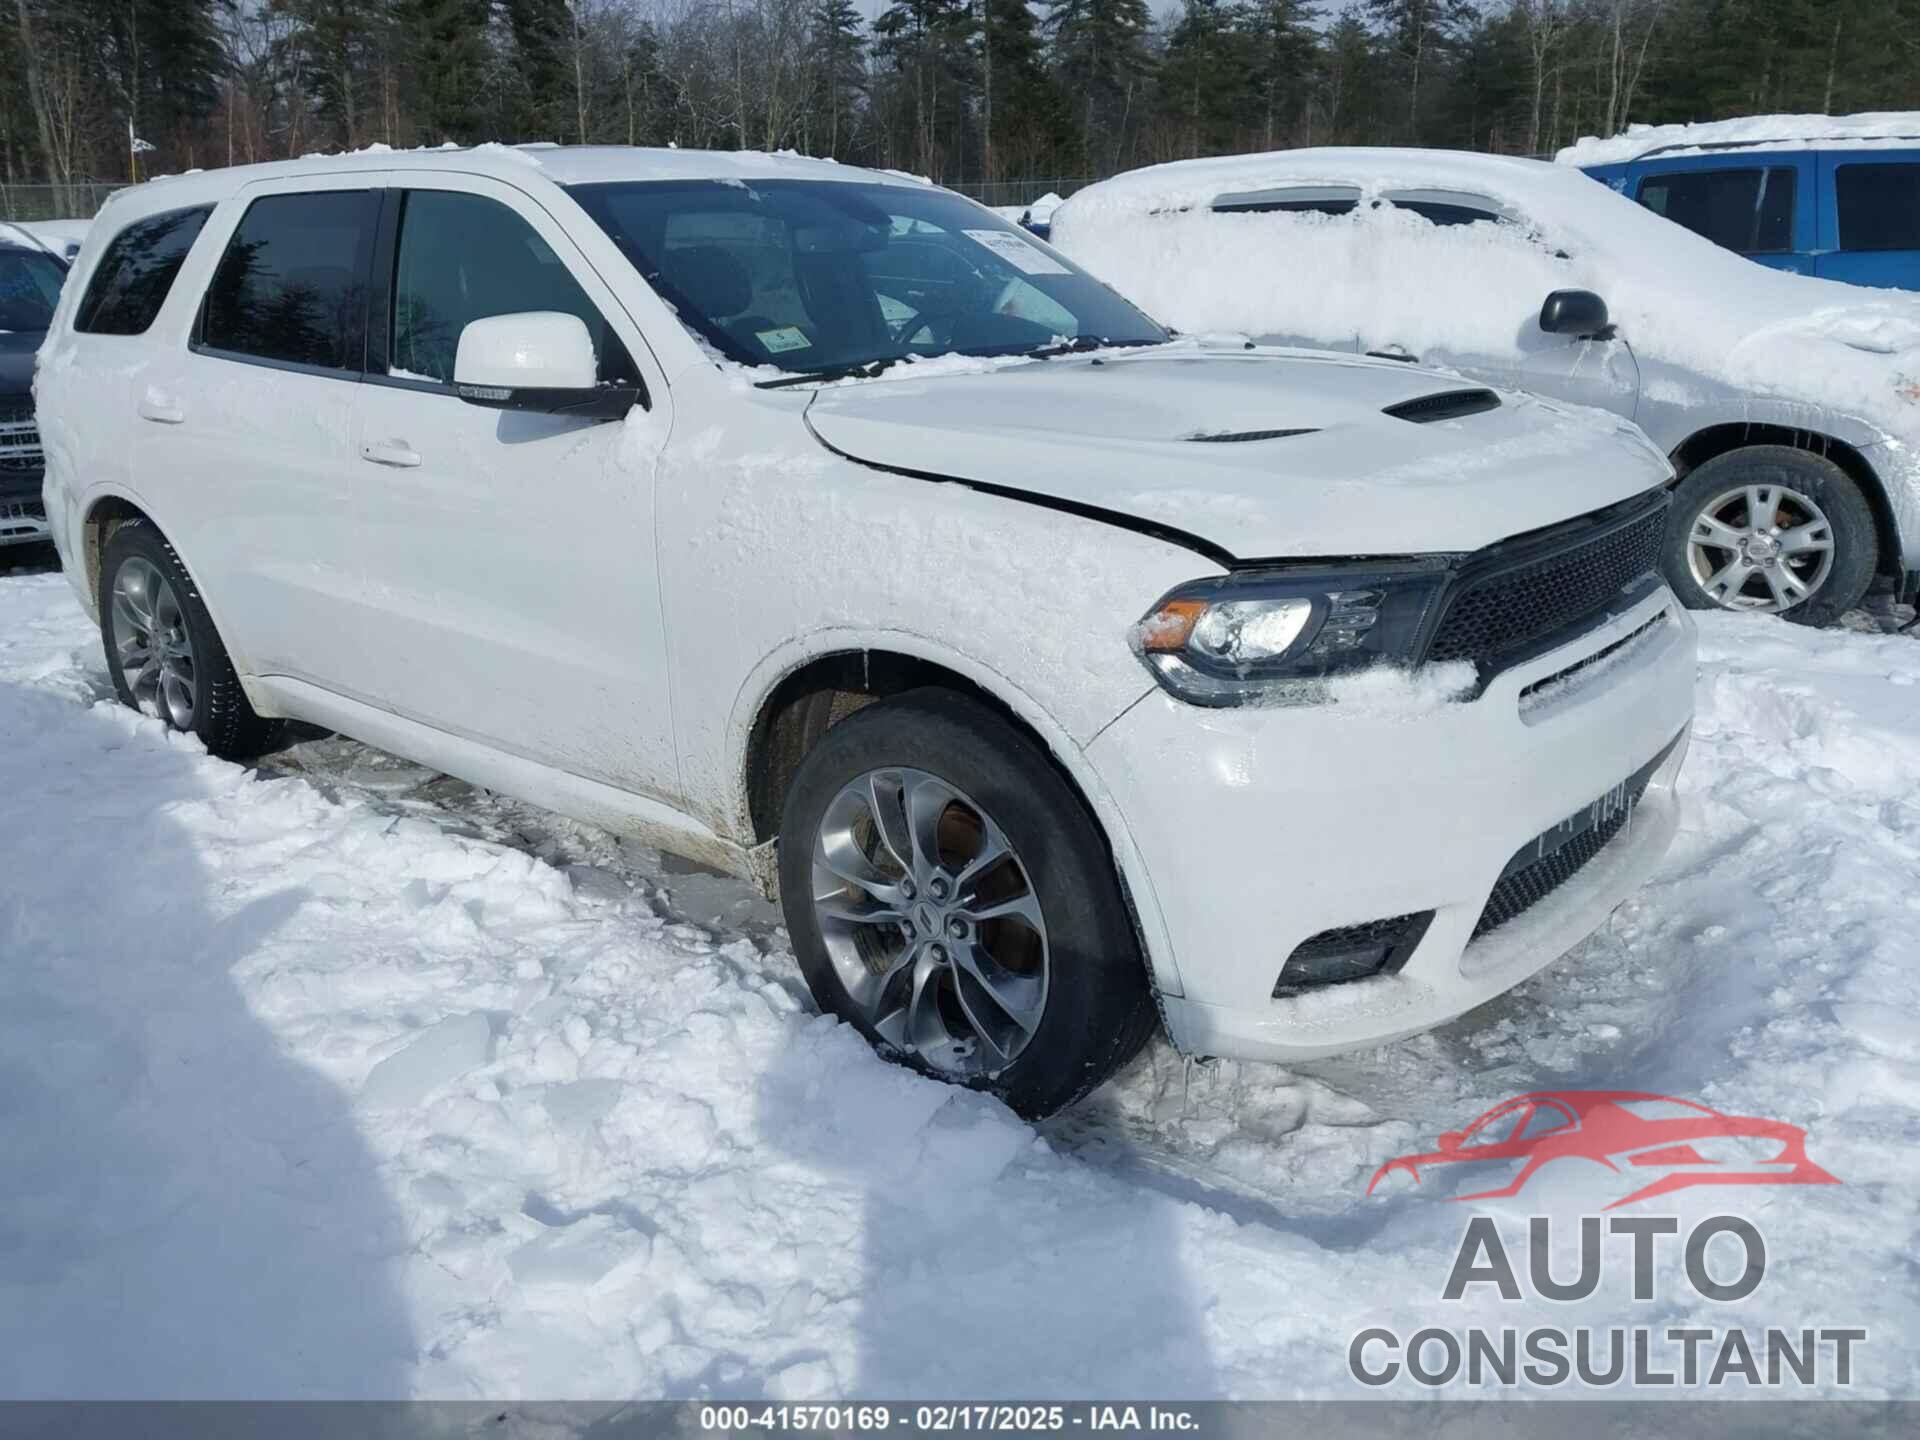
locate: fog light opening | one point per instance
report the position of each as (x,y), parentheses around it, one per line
(1351,952)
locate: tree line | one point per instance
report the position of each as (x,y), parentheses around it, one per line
(962,91)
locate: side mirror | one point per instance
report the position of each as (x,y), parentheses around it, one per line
(1575,312)
(539,360)
(1450,1139)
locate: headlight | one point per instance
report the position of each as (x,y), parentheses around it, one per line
(1276,636)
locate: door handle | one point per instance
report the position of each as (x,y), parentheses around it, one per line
(155,406)
(396,453)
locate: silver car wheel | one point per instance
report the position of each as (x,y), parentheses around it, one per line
(151,643)
(1760,547)
(931,921)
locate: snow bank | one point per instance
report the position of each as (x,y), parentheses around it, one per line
(332,1094)
(1475,290)
(1868,130)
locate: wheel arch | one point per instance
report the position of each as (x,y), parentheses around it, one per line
(105,512)
(1713,441)
(791,703)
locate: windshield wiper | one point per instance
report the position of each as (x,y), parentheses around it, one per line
(862,370)
(1087,342)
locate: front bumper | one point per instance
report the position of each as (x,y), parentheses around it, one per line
(1261,827)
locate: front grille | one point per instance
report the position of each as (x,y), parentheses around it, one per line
(1553,857)
(1521,891)
(19,437)
(1500,615)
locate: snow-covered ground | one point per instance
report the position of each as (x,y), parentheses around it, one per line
(340,1078)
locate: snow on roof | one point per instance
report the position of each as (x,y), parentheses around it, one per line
(1385,273)
(563,164)
(1880,128)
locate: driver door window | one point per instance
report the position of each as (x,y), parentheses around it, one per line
(464,258)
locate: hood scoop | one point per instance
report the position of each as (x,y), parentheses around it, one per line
(1447,405)
(1235,437)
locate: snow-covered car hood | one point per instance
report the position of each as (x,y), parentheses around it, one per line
(1156,436)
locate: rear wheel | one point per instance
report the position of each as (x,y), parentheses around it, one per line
(1774,530)
(948,895)
(163,652)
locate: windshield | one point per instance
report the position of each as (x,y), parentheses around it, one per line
(29,289)
(822,276)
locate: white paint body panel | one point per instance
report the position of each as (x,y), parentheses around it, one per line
(1118,433)
(1263,827)
(592,616)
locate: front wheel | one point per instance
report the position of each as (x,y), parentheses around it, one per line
(948,895)
(165,656)
(1774,530)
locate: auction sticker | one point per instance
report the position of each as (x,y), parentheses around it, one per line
(1023,255)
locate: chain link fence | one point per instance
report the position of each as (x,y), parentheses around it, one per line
(76,200)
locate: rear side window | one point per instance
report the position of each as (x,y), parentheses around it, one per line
(1294,200)
(1445,212)
(292,285)
(1750,211)
(1879,206)
(464,258)
(131,282)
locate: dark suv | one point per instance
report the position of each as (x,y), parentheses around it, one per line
(30,281)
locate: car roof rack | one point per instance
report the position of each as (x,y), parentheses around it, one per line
(1799,142)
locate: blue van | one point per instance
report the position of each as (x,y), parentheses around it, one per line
(1841,209)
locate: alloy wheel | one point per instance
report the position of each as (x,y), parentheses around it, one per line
(931,922)
(1760,547)
(151,643)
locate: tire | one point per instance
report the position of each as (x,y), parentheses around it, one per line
(1803,493)
(216,707)
(985,781)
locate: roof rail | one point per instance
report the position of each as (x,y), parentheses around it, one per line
(1799,142)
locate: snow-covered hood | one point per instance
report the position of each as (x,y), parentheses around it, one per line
(1147,435)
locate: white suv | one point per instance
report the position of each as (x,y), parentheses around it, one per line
(825,527)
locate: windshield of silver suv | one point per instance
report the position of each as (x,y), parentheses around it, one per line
(826,278)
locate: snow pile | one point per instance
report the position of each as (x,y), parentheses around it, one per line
(1380,275)
(309,1094)
(1868,130)
(1039,212)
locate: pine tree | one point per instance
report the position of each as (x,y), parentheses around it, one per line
(1026,123)
(1100,55)
(448,63)
(1202,79)
(1421,35)
(540,33)
(839,75)
(1282,48)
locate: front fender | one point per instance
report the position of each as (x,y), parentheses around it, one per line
(1065,747)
